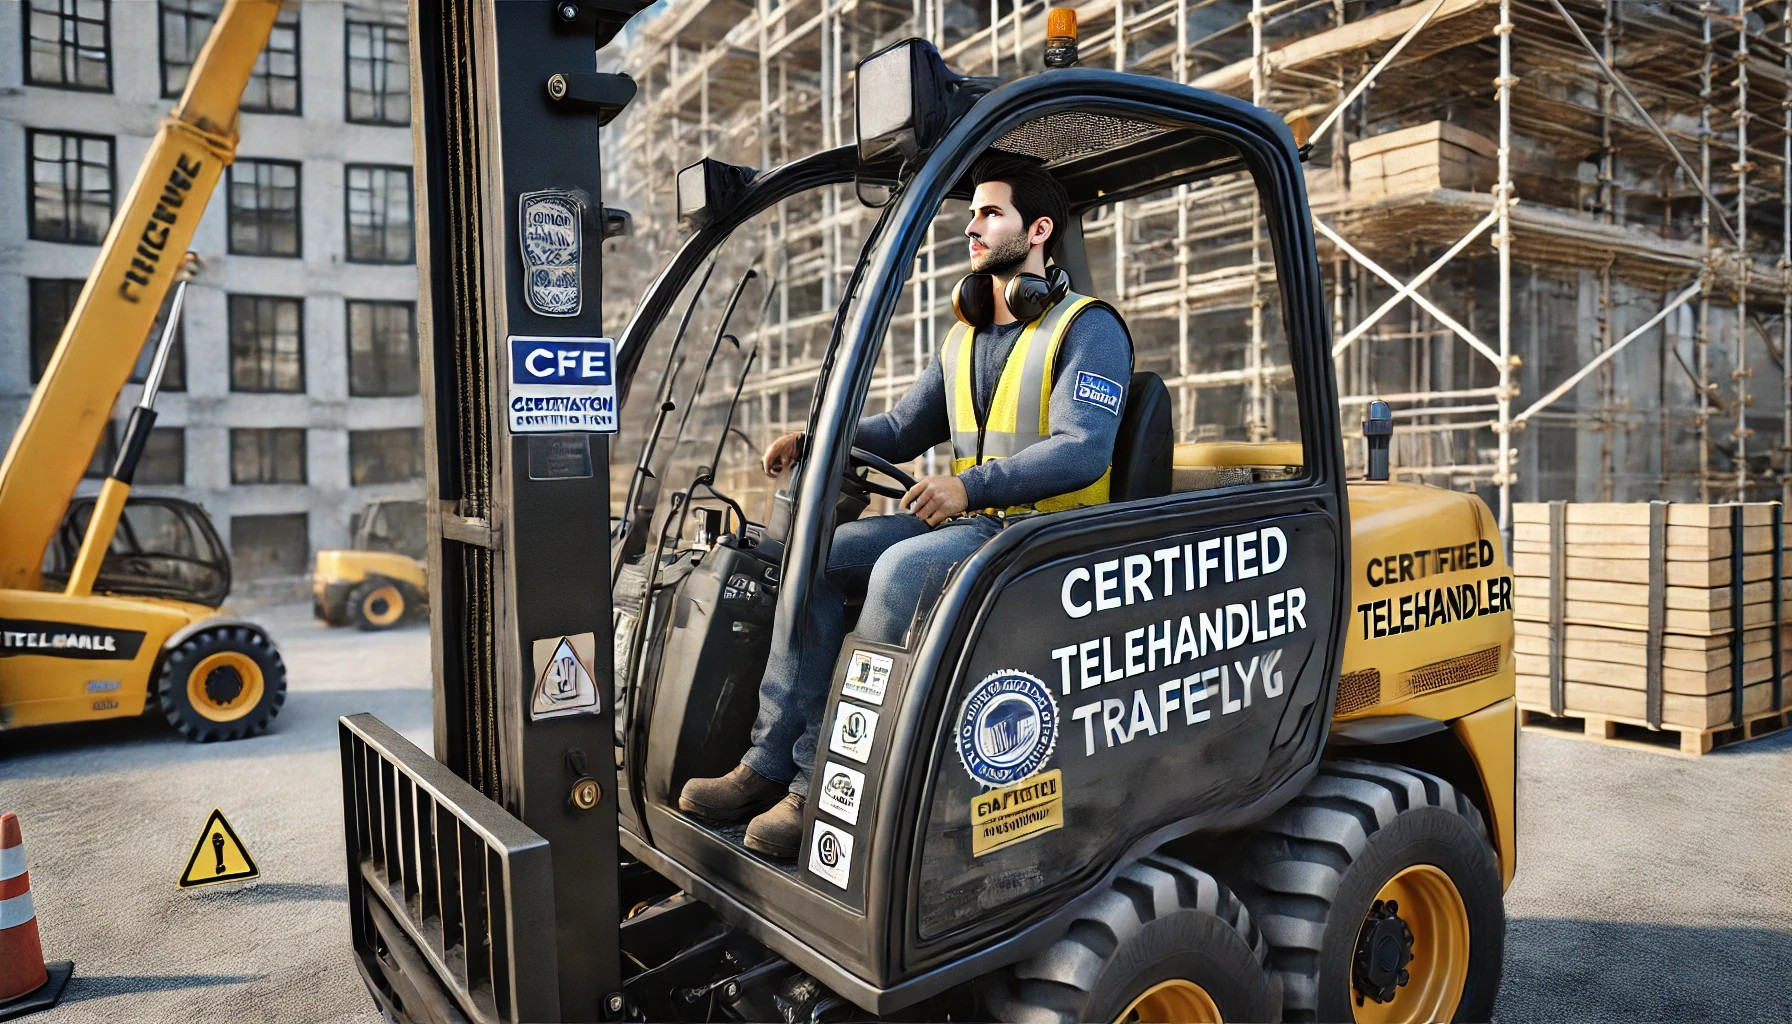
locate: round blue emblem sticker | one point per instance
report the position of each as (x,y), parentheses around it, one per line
(1008,728)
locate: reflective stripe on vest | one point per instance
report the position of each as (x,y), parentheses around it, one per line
(1020,411)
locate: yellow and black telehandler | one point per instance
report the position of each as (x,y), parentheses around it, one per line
(109,605)
(1236,744)
(379,581)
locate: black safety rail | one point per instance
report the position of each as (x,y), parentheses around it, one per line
(443,882)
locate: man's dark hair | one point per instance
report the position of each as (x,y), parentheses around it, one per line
(1036,193)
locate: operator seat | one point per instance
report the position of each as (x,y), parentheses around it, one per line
(1145,448)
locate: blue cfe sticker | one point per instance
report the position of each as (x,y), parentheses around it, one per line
(1095,389)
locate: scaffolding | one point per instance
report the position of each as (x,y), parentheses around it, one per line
(1557,234)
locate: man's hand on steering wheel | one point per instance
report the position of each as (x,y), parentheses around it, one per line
(783,453)
(935,499)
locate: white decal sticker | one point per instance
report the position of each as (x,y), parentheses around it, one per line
(562,385)
(854,726)
(552,228)
(563,682)
(867,677)
(841,788)
(830,853)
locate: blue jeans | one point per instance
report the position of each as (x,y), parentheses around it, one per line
(893,562)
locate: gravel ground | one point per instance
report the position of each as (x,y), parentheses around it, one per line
(1649,888)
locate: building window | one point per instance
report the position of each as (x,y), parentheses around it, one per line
(53,301)
(267,343)
(71,186)
(164,458)
(379,214)
(382,349)
(379,73)
(264,208)
(274,84)
(68,44)
(267,455)
(385,456)
(278,545)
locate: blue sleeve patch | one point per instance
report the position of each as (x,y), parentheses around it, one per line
(1097,390)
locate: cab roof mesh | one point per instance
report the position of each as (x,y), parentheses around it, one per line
(1073,133)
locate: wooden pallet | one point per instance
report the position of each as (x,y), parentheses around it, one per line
(1669,739)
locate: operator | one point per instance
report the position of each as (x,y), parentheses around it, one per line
(1029,390)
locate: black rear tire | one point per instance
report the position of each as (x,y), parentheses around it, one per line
(1161,920)
(376,604)
(1312,871)
(205,676)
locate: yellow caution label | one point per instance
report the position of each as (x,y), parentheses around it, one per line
(1003,817)
(218,856)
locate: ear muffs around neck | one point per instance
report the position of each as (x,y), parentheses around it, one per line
(1028,296)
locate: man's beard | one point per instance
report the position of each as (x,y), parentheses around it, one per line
(1003,258)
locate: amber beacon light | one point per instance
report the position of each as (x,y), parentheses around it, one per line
(1060,38)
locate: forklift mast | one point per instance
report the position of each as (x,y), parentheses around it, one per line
(507,109)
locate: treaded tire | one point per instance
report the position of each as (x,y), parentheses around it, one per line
(1311,871)
(363,619)
(178,666)
(1160,920)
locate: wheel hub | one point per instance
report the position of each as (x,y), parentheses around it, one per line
(1383,949)
(223,685)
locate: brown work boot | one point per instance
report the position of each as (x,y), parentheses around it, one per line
(735,795)
(778,832)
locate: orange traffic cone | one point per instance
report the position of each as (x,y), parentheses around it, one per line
(27,983)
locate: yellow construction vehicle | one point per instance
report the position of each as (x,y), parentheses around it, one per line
(379,582)
(1236,743)
(133,618)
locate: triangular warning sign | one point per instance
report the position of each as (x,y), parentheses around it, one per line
(218,856)
(565,686)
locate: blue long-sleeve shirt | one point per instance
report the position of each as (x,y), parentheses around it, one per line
(1081,444)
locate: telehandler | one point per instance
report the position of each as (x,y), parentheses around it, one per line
(133,620)
(379,582)
(1237,744)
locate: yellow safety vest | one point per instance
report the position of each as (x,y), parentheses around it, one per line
(1020,411)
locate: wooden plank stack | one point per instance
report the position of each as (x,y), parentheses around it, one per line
(1644,622)
(1422,158)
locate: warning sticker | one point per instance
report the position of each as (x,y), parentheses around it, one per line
(563,679)
(558,385)
(218,856)
(1003,817)
(841,788)
(854,728)
(830,853)
(867,677)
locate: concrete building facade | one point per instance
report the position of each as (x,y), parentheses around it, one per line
(293,394)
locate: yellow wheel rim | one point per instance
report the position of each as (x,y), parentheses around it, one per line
(1426,899)
(1173,1002)
(225,686)
(383,606)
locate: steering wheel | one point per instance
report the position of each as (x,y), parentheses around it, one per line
(862,459)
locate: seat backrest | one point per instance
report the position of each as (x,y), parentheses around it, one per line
(1145,448)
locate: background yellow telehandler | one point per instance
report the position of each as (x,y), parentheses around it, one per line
(378,582)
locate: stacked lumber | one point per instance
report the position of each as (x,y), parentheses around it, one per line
(1422,158)
(1653,618)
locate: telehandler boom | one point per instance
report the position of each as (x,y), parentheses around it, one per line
(134,616)
(1236,744)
